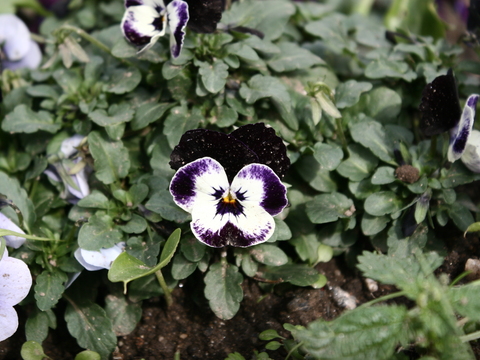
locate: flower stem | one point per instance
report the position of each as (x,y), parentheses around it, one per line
(341,134)
(384,298)
(473,336)
(165,288)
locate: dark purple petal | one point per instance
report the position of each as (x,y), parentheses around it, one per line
(269,148)
(177,12)
(440,107)
(199,143)
(205,14)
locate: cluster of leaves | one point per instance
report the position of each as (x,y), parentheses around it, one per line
(334,88)
(430,326)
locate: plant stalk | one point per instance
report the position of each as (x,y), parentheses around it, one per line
(165,288)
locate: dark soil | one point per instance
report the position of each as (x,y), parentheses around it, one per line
(190,329)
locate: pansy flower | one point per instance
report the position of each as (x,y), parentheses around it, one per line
(11,240)
(15,283)
(145,21)
(17,49)
(441,111)
(231,184)
(70,170)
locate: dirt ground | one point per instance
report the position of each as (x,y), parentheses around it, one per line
(191,329)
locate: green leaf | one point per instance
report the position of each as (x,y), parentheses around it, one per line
(49,288)
(179,121)
(465,300)
(329,156)
(224,116)
(457,175)
(99,232)
(361,334)
(372,225)
(10,187)
(95,199)
(269,255)
(260,86)
(312,172)
(269,334)
(292,57)
(348,93)
(461,216)
(148,113)
(295,274)
(214,76)
(125,315)
(373,136)
(88,355)
(136,225)
(359,165)
(223,289)
(181,267)
(475,227)
(36,327)
(162,204)
(25,120)
(382,104)
(43,91)
(384,68)
(111,157)
(91,326)
(326,208)
(32,350)
(124,80)
(117,114)
(127,268)
(383,175)
(192,249)
(383,202)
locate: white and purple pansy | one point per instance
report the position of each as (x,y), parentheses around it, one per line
(145,21)
(239,213)
(230,183)
(101,259)
(441,111)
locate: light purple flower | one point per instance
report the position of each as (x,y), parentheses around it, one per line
(98,260)
(12,240)
(15,283)
(145,21)
(239,213)
(71,170)
(17,48)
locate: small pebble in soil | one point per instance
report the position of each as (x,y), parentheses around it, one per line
(372,285)
(343,298)
(473,266)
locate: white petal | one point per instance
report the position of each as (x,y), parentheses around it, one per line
(197,182)
(8,321)
(31,60)
(97,260)
(15,281)
(459,134)
(69,146)
(14,36)
(177,12)
(7,224)
(471,156)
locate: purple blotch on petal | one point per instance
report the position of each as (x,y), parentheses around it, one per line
(462,132)
(177,12)
(131,33)
(275,193)
(229,235)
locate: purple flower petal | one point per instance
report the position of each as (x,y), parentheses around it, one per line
(197,182)
(260,187)
(177,12)
(143,25)
(460,133)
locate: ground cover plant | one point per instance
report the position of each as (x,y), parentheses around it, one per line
(148,145)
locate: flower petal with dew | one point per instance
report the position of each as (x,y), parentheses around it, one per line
(12,240)
(145,21)
(238,214)
(471,156)
(19,50)
(15,283)
(98,260)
